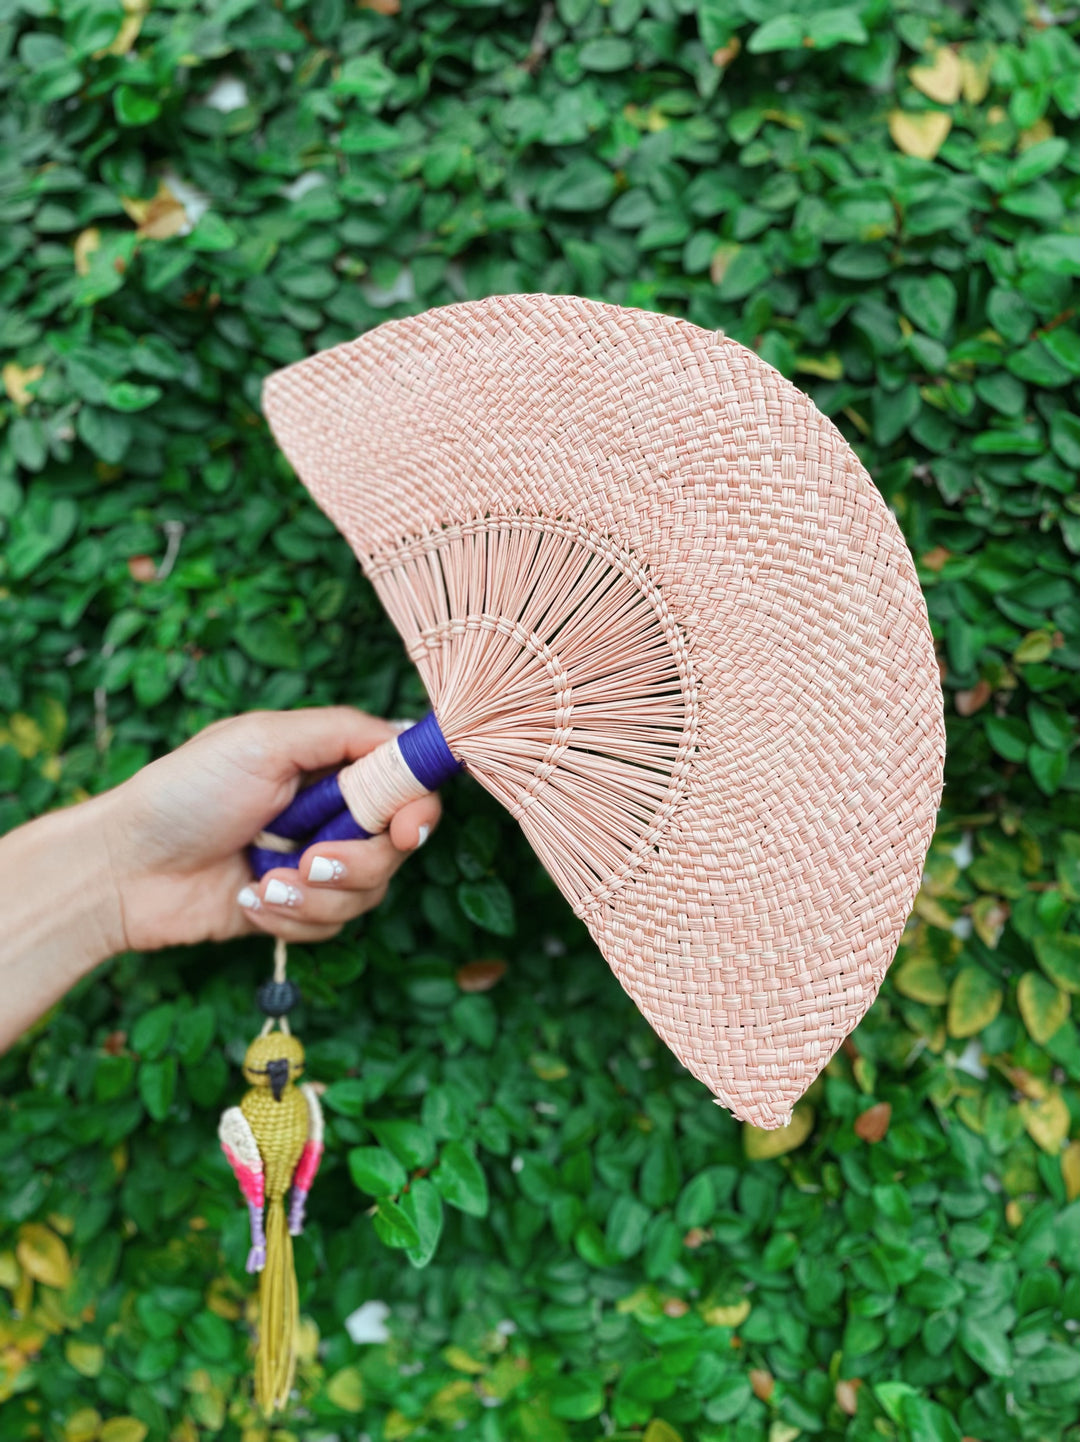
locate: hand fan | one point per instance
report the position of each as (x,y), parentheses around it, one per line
(664,616)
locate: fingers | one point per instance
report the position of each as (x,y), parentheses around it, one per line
(336,881)
(278,744)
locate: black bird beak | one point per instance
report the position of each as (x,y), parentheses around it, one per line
(278,1072)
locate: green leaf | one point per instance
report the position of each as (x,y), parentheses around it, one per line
(270,641)
(782,32)
(1065,437)
(377,1171)
(211,1336)
(840,26)
(157,1086)
(585,184)
(489,904)
(153,1030)
(1059,957)
(747,270)
(394,1227)
(1009,736)
(460,1179)
(929,301)
(626,1224)
(577,1397)
(1047,767)
(126,396)
(348,1097)
(134,107)
(422,1205)
(986,1345)
(412,1144)
(606,53)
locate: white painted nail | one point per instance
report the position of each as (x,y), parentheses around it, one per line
(401,725)
(280,893)
(246,897)
(324,869)
(425,832)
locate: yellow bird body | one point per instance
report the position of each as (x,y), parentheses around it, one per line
(273,1142)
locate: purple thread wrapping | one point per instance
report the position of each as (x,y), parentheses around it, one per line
(426,753)
(262,860)
(341,827)
(309,809)
(318,813)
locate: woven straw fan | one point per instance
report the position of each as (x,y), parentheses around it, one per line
(664,616)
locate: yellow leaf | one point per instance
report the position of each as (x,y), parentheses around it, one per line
(829,367)
(17,382)
(43,1256)
(82,1425)
(123,1429)
(921,979)
(1036,646)
(1034,134)
(87,1358)
(158,218)
(85,244)
(761,1145)
(307,1341)
(920,133)
(9,1271)
(783,1431)
(733,1316)
(975,77)
(460,1360)
(346,1390)
(932,911)
(26,735)
(974,1002)
(1047,1122)
(1043,1007)
(53,724)
(722,257)
(135,14)
(940,78)
(397,1426)
(988,916)
(1070,1170)
(660,1431)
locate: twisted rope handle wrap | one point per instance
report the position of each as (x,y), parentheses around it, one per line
(360,800)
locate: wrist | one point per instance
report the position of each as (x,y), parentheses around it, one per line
(73,844)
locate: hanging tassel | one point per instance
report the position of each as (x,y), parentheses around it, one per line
(279,1316)
(273,1142)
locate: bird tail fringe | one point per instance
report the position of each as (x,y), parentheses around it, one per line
(279,1315)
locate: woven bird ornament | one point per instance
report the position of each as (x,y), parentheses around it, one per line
(664,616)
(273,1142)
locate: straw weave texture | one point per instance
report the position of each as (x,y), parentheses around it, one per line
(664,615)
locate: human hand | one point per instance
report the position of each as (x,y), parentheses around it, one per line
(176,833)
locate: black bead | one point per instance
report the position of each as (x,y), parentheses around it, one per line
(275,998)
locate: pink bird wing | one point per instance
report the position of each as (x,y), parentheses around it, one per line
(242,1153)
(310,1157)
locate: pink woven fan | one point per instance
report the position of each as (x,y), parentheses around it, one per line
(664,616)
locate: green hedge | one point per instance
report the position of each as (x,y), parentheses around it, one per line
(881,199)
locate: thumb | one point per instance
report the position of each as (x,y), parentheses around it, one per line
(276,745)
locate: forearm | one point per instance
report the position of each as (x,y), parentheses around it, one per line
(61,910)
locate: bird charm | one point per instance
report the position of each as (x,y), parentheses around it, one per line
(273,1141)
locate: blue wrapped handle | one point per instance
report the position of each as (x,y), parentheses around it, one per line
(319,812)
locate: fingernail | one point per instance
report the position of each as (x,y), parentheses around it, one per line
(247,897)
(279,893)
(425,832)
(324,869)
(401,725)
